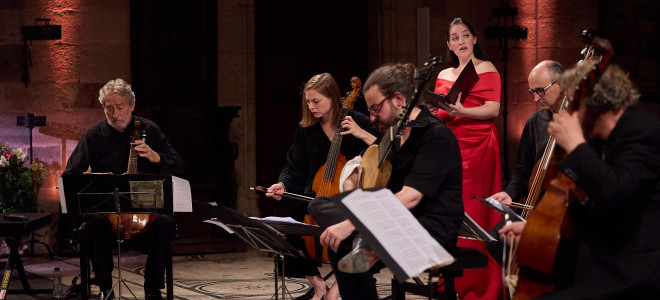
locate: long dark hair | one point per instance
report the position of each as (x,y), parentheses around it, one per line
(478,53)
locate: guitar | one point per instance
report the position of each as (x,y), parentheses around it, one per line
(376,170)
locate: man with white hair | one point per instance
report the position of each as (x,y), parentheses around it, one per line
(105,148)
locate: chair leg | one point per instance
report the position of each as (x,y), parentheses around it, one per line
(398,292)
(170,279)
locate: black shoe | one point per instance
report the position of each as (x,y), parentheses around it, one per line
(106,294)
(152,295)
(359,260)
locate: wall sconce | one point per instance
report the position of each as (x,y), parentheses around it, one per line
(44,31)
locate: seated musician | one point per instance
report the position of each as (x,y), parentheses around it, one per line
(619,169)
(105,148)
(548,94)
(426,183)
(313,141)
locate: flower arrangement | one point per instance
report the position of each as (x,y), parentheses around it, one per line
(19,185)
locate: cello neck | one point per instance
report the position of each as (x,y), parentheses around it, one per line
(132,154)
(335,147)
(333,153)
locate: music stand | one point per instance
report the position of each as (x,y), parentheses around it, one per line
(265,236)
(471,230)
(115,194)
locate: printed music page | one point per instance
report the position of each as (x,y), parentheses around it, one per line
(181,196)
(60,185)
(396,230)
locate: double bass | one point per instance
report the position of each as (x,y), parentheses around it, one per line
(125,225)
(326,179)
(541,177)
(540,171)
(548,228)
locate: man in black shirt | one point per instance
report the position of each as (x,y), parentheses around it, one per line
(613,155)
(105,148)
(426,177)
(548,94)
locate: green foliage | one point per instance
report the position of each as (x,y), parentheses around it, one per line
(19,185)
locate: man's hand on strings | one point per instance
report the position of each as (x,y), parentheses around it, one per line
(335,234)
(453,109)
(275,191)
(512,231)
(143,150)
(566,129)
(502,197)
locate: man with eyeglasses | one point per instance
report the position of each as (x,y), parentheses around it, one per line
(549,95)
(426,183)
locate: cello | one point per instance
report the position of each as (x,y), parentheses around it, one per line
(326,179)
(549,227)
(125,225)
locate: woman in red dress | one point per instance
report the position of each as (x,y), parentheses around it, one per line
(473,123)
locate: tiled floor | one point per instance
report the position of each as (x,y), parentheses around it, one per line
(242,275)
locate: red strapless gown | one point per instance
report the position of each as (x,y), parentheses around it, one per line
(482,176)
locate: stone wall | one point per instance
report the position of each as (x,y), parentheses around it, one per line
(65,75)
(553,33)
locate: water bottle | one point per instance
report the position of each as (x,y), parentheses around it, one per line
(58,291)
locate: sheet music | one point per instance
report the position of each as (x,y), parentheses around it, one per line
(503,209)
(397,230)
(215,221)
(60,184)
(278,219)
(181,196)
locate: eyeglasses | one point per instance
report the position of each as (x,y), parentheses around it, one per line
(376,109)
(540,91)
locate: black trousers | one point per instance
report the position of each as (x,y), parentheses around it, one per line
(158,243)
(327,211)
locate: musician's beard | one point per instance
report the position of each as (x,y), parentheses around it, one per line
(384,124)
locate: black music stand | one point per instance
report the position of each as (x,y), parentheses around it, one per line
(471,230)
(115,194)
(265,236)
(13,226)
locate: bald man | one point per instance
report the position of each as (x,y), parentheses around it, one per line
(549,95)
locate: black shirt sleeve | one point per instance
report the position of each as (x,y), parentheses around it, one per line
(170,161)
(294,175)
